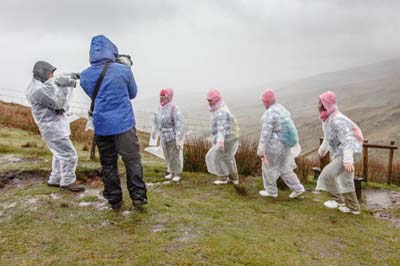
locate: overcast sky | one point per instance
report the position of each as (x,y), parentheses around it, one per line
(195,45)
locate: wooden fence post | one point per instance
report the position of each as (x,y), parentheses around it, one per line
(365,161)
(391,151)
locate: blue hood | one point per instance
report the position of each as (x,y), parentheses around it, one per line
(102,50)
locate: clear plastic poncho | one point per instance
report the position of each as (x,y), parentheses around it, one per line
(224,128)
(281,156)
(223,124)
(169,124)
(339,138)
(50,101)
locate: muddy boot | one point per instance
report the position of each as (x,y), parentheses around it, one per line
(116,206)
(74,187)
(138,204)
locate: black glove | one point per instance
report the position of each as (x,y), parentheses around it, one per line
(59,111)
(75,75)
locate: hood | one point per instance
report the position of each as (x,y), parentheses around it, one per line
(169,93)
(41,71)
(268,98)
(102,50)
(328,100)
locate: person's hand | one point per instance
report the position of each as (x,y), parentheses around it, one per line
(179,143)
(321,153)
(75,76)
(261,150)
(349,167)
(220,146)
(264,159)
(179,146)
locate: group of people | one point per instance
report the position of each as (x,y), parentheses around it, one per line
(110,84)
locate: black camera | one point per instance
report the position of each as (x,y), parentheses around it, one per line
(124,59)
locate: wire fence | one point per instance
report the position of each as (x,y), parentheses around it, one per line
(144,119)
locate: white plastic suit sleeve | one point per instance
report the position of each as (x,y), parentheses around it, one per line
(51,97)
(267,127)
(179,125)
(155,131)
(221,118)
(348,157)
(324,148)
(65,81)
(261,149)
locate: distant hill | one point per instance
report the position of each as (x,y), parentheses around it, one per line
(369,94)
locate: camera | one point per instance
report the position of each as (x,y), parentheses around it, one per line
(124,59)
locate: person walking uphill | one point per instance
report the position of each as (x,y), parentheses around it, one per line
(278,148)
(114,121)
(343,139)
(220,159)
(169,123)
(49,96)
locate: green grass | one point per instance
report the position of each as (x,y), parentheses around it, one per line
(191,223)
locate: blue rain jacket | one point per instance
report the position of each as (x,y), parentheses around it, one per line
(113,112)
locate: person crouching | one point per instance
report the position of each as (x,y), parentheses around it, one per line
(343,139)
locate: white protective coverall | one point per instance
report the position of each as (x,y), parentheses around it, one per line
(49,101)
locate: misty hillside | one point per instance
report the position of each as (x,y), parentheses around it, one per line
(369,94)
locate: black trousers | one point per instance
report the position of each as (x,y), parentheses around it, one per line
(127,146)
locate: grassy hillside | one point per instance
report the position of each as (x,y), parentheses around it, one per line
(190,223)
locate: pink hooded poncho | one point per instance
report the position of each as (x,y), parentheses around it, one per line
(328,100)
(268,98)
(168,93)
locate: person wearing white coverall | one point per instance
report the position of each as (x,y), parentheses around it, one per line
(343,139)
(49,96)
(220,159)
(278,148)
(170,125)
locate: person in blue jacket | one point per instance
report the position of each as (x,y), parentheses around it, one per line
(114,122)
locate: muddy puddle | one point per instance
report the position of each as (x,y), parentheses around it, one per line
(26,178)
(92,197)
(381,202)
(380,199)
(11,158)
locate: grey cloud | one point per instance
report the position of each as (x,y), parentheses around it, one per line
(198,44)
(76,16)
